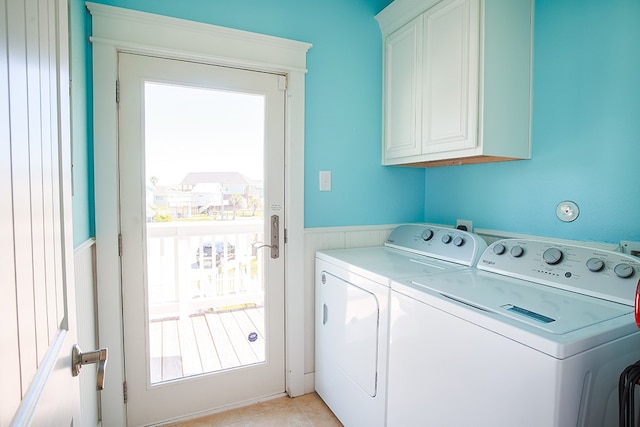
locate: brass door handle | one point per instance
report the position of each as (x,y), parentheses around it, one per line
(78,359)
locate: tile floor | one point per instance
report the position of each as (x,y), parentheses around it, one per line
(303,411)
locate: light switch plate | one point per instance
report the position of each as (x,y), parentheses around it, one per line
(325,180)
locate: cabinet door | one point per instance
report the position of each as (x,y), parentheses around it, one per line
(402,91)
(450,70)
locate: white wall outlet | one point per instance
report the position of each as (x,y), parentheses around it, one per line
(631,248)
(465,223)
(325,180)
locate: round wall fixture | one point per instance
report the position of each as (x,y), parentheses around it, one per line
(567,211)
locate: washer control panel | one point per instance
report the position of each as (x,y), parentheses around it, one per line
(595,272)
(448,244)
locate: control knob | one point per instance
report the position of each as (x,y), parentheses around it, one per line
(595,264)
(552,256)
(458,241)
(499,249)
(427,235)
(517,251)
(446,239)
(623,270)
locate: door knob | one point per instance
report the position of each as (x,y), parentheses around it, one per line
(78,359)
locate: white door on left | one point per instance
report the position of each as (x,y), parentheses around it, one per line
(37,308)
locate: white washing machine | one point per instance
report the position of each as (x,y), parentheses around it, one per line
(536,336)
(352,312)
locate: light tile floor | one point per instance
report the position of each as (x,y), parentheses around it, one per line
(304,411)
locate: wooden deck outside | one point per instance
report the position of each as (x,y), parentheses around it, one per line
(206,342)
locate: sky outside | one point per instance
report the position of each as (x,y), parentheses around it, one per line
(189,129)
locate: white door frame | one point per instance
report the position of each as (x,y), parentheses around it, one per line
(116,29)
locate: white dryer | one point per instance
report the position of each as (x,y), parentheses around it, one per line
(352,312)
(537,335)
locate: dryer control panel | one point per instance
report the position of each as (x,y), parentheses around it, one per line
(589,271)
(447,244)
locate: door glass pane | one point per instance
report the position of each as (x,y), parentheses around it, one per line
(204,228)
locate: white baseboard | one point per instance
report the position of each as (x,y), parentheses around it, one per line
(309,383)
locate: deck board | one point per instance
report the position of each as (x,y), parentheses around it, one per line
(191,364)
(257,318)
(238,339)
(206,350)
(155,351)
(226,352)
(171,357)
(205,343)
(247,327)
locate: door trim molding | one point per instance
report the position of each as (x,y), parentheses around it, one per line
(122,30)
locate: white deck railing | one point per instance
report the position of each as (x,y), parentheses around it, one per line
(179,285)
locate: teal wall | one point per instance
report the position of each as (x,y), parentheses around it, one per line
(82,156)
(343,101)
(586,121)
(586,134)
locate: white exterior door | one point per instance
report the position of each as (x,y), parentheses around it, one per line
(201,160)
(37,308)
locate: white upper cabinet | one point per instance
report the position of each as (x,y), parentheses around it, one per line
(457,81)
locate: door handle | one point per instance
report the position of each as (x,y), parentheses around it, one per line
(275,234)
(78,359)
(275,230)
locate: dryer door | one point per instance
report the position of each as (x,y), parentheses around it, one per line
(350,317)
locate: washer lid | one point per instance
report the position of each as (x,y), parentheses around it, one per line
(554,321)
(541,307)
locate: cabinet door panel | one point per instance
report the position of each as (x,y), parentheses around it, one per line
(450,91)
(457,81)
(403,52)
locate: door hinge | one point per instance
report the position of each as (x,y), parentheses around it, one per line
(124,391)
(119,244)
(286,236)
(117,91)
